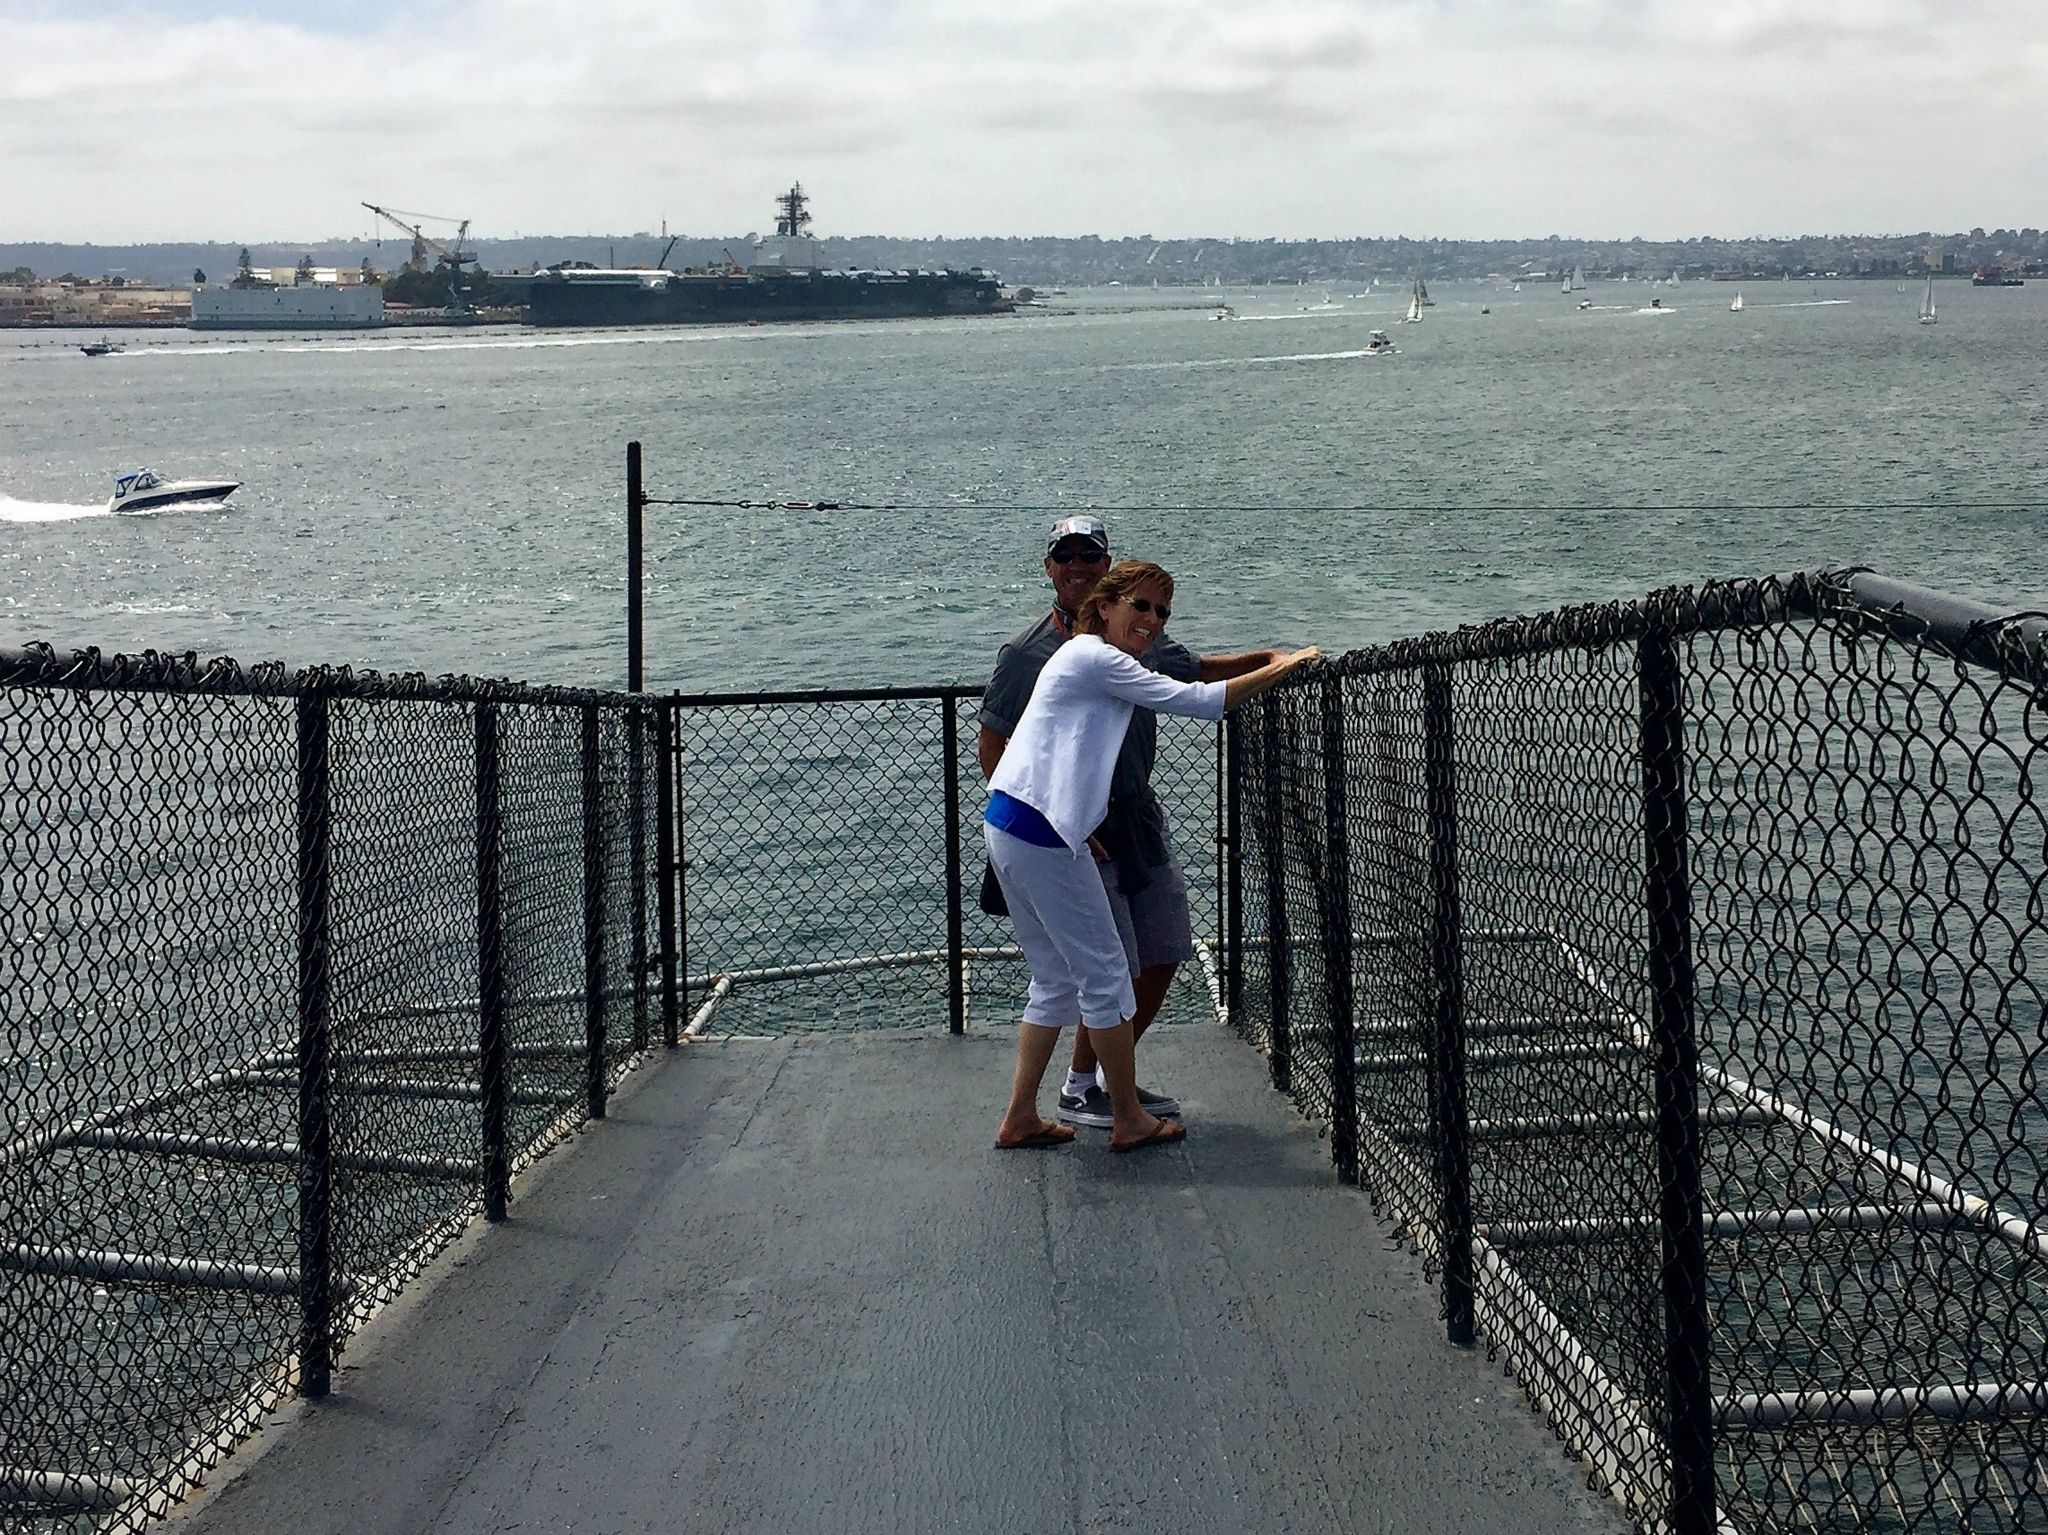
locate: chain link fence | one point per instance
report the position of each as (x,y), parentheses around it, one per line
(298,969)
(833,852)
(1672,972)
(1668,971)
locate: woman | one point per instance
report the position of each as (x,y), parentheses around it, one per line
(1049,792)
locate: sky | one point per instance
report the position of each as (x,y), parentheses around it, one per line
(248,120)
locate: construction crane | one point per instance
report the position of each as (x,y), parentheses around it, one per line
(453,258)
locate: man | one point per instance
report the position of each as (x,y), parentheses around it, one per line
(1148,893)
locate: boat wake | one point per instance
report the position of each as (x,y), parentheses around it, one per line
(1270,319)
(1248,362)
(12,510)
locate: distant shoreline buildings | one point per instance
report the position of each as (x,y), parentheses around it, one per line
(151,285)
(1046,260)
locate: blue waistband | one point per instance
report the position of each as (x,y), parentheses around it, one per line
(1021,821)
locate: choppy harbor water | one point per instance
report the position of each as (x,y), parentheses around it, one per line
(453,501)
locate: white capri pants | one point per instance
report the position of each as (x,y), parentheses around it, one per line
(1080,968)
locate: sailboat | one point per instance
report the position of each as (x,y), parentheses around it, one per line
(1422,293)
(1927,303)
(1578,281)
(1735,305)
(1415,302)
(1567,288)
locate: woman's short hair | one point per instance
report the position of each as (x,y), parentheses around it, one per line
(1121,579)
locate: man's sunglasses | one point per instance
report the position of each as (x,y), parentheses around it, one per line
(1087,554)
(1147,605)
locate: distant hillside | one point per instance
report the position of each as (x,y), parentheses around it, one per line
(1087,259)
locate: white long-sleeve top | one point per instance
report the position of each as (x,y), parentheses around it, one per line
(1063,751)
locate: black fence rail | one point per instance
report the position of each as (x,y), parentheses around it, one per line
(1673,972)
(298,970)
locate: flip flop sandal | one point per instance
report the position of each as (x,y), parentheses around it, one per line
(1050,1135)
(1168,1132)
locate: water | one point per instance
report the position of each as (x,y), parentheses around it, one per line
(453,501)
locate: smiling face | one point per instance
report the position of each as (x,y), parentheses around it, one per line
(1135,620)
(1084,562)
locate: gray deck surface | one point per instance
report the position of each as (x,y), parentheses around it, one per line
(789,1287)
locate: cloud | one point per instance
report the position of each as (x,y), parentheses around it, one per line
(1197,117)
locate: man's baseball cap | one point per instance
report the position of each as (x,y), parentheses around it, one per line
(1094,529)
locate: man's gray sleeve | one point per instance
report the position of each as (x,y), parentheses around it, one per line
(1173,659)
(1009,690)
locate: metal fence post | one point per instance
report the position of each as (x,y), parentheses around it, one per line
(1338,942)
(1278,963)
(1452,1124)
(494,1064)
(679,823)
(1233,871)
(593,915)
(665,863)
(956,942)
(316,1150)
(636,503)
(1667,895)
(636,807)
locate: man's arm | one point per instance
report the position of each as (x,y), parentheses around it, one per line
(1243,663)
(988,750)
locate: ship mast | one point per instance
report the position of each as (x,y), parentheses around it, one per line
(791,214)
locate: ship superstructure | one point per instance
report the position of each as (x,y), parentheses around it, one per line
(785,279)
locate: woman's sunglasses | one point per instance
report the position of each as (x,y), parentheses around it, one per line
(1147,605)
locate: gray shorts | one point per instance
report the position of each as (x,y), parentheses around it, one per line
(1154,924)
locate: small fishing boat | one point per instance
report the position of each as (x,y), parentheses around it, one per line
(145,489)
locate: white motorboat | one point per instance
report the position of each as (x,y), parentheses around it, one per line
(1377,344)
(145,489)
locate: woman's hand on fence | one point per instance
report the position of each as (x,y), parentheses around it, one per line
(1252,684)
